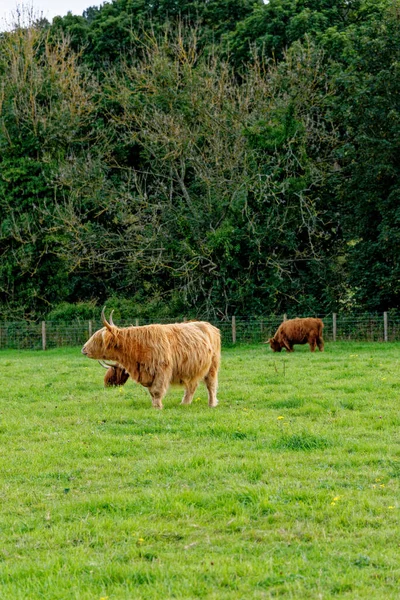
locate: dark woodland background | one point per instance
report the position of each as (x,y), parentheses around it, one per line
(201,158)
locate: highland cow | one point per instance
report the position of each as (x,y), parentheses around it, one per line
(115,376)
(159,355)
(298,331)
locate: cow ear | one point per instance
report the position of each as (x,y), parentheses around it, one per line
(114,340)
(111,338)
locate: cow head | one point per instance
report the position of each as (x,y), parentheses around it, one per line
(116,374)
(103,343)
(274,344)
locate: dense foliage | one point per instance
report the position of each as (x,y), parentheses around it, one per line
(202,158)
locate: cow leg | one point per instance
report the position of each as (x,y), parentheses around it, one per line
(320,344)
(158,389)
(211,381)
(313,344)
(190,388)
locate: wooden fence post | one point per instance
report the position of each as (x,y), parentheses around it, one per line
(136,322)
(233,330)
(43,335)
(285,317)
(90,328)
(334,327)
(385,326)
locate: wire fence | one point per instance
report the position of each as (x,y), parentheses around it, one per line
(379,327)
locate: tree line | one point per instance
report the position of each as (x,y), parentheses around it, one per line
(201,158)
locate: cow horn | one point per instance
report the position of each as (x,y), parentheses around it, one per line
(104,320)
(106,364)
(111,320)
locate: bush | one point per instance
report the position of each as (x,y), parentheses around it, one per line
(66,312)
(139,307)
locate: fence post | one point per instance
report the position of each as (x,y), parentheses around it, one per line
(43,335)
(136,322)
(285,317)
(233,330)
(334,327)
(385,326)
(90,328)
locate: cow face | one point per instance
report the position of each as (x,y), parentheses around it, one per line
(115,376)
(101,345)
(275,345)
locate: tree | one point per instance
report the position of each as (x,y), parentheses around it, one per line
(45,112)
(273,27)
(116,30)
(218,180)
(368,111)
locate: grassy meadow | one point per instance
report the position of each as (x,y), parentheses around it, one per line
(289,488)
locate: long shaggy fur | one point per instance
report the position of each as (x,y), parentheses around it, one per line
(157,355)
(298,331)
(115,376)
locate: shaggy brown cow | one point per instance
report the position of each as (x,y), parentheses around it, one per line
(298,331)
(115,376)
(157,355)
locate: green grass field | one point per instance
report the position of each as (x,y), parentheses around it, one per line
(289,488)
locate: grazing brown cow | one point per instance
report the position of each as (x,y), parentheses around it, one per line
(157,355)
(115,376)
(298,331)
